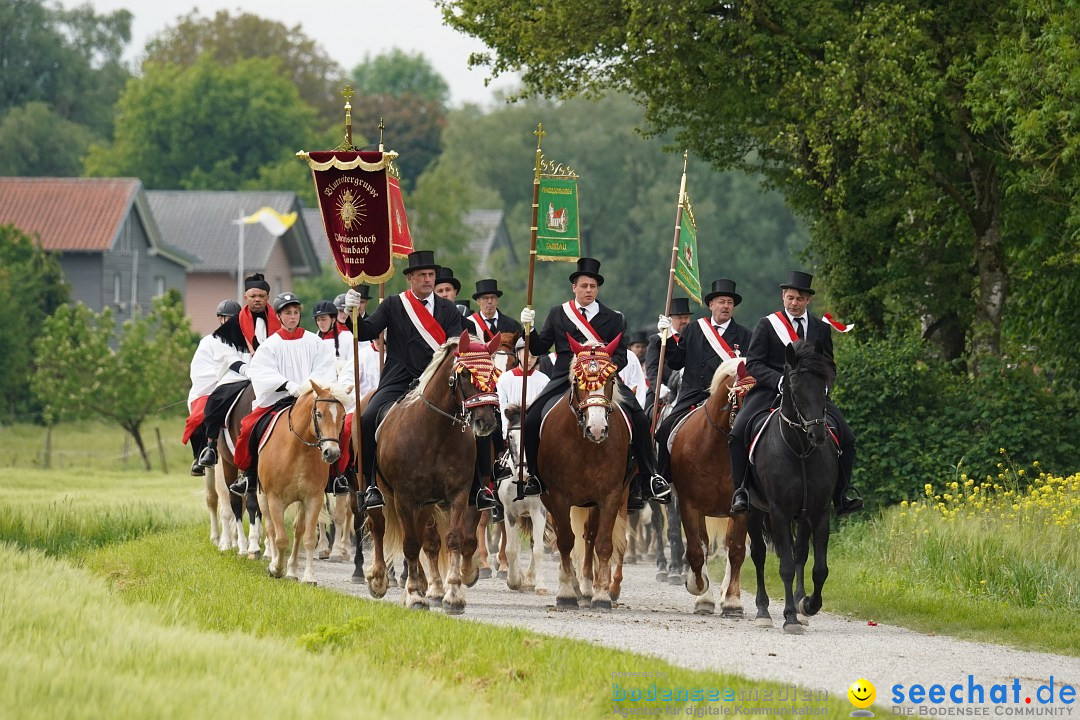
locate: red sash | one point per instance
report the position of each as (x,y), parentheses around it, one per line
(583,326)
(423,320)
(247,325)
(836,324)
(482,325)
(293,335)
(716,340)
(783,328)
(195,419)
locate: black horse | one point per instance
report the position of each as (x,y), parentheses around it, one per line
(795,462)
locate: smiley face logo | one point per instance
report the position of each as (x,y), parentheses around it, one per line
(862,694)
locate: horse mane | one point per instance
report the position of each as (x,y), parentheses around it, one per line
(727,369)
(808,359)
(513,415)
(337,390)
(429,372)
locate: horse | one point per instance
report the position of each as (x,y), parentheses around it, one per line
(701,476)
(584,461)
(795,462)
(293,470)
(425,461)
(527,514)
(231,507)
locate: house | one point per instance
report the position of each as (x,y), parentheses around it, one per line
(203,224)
(109,246)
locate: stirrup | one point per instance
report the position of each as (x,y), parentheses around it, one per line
(484,500)
(240,487)
(660,489)
(198,470)
(341,485)
(740,502)
(532,487)
(849,505)
(208,457)
(634,501)
(373,498)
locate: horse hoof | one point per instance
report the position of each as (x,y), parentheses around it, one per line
(661,577)
(704,608)
(674,579)
(501,575)
(763,622)
(434,601)
(793,628)
(601,605)
(733,612)
(566,603)
(454,608)
(418,605)
(485,573)
(803,620)
(337,559)
(541,591)
(358,580)
(324,555)
(615,596)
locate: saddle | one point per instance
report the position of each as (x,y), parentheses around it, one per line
(761,419)
(265,424)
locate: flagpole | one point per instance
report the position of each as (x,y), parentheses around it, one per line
(240,261)
(667,300)
(539,133)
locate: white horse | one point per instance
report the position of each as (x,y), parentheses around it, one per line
(528,515)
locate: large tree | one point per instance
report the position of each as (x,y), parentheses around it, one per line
(35,140)
(870,118)
(206,126)
(230,39)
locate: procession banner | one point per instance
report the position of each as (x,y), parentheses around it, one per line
(686,266)
(402,238)
(557,234)
(355,200)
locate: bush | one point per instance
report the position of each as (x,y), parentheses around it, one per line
(918,419)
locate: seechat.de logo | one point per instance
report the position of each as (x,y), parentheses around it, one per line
(862,694)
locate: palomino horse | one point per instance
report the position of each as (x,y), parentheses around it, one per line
(583,461)
(701,475)
(796,465)
(292,469)
(526,515)
(425,461)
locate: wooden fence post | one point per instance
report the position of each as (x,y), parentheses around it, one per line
(161,451)
(48,448)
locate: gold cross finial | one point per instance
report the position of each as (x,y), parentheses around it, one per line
(381,128)
(539,133)
(347,93)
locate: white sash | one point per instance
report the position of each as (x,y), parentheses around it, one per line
(583,326)
(715,340)
(783,332)
(424,332)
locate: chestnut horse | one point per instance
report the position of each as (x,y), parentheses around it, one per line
(425,460)
(583,460)
(701,476)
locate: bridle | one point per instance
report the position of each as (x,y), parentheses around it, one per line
(319,439)
(593,378)
(802,424)
(474,363)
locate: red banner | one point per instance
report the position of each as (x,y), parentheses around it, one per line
(355,199)
(402,244)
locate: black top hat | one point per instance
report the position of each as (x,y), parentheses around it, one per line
(589,267)
(446,275)
(680,306)
(256,281)
(421,260)
(798,281)
(463,307)
(638,336)
(364,290)
(487,287)
(723,286)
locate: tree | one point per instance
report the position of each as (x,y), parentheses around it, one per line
(396,73)
(87,367)
(230,39)
(32,287)
(207,127)
(870,122)
(36,141)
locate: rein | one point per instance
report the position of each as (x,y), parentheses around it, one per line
(802,425)
(319,439)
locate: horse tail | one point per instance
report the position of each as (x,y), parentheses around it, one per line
(579,517)
(525,524)
(716,528)
(441,518)
(618,536)
(393,534)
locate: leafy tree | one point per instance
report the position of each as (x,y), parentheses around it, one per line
(86,366)
(206,127)
(31,287)
(68,59)
(396,73)
(885,126)
(230,39)
(35,141)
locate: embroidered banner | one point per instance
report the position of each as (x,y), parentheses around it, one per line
(355,199)
(686,264)
(557,232)
(402,243)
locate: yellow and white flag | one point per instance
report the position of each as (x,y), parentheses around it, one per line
(274,222)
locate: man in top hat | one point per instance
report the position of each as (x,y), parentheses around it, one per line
(257,321)
(464,308)
(417,322)
(680,318)
(488,321)
(446,285)
(588,321)
(638,343)
(344,317)
(213,359)
(703,346)
(765,361)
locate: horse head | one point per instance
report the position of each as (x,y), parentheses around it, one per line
(807,377)
(592,386)
(505,359)
(327,419)
(473,377)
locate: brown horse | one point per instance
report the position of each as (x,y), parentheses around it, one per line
(584,462)
(701,475)
(425,462)
(292,469)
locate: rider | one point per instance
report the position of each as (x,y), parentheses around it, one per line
(257,322)
(287,359)
(704,345)
(417,323)
(765,361)
(340,339)
(446,285)
(586,320)
(680,318)
(344,318)
(213,359)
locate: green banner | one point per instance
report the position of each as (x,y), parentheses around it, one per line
(557,235)
(686,265)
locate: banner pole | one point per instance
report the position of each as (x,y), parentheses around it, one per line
(382,343)
(539,133)
(356,396)
(667,299)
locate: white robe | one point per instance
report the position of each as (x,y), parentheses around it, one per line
(344,349)
(509,390)
(211,366)
(369,374)
(633,377)
(280,361)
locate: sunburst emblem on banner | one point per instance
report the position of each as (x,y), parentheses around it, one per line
(350,209)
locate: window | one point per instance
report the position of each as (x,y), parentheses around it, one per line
(116,289)
(159,286)
(125,237)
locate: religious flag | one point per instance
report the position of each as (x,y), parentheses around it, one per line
(557,233)
(402,238)
(274,222)
(686,263)
(355,199)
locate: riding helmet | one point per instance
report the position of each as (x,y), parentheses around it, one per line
(285,299)
(228,308)
(339,301)
(324,307)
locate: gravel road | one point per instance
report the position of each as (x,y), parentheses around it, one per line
(657,619)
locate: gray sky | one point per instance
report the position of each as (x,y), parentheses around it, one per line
(376,26)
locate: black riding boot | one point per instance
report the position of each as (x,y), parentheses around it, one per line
(208,457)
(635,501)
(653,485)
(481,496)
(740,500)
(247,481)
(843,502)
(373,497)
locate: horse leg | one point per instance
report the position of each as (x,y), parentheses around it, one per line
(340,551)
(358,556)
(802,552)
(212,506)
(378,583)
(481,532)
(502,568)
(413,533)
(470,570)
(615,588)
(322,531)
(588,561)
(237,505)
(810,605)
(275,520)
(569,590)
(512,539)
(454,600)
(311,505)
(675,541)
(632,539)
(782,540)
(226,519)
(255,525)
(432,545)
(656,532)
(757,554)
(697,578)
(264,504)
(736,555)
(534,576)
(299,524)
(602,547)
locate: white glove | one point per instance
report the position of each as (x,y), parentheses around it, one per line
(293,388)
(663,326)
(352,300)
(528,315)
(665,392)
